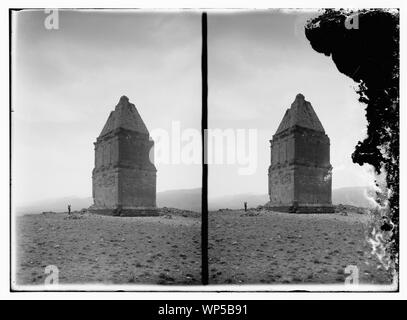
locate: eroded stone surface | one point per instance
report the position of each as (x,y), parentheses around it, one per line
(124,178)
(300,171)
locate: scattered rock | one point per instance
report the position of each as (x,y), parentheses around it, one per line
(73,216)
(250,213)
(287,279)
(166,212)
(341,208)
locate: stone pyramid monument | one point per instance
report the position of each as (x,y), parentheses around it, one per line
(124,177)
(300,173)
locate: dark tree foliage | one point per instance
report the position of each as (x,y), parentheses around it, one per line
(369,54)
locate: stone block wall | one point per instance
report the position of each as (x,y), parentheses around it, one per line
(281,186)
(134,150)
(124,175)
(137,188)
(282,150)
(105,188)
(311,147)
(106,152)
(300,170)
(312,185)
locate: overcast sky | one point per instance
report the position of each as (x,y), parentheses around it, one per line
(67,81)
(258,63)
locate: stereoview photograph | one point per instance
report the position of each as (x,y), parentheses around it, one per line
(214,150)
(98,101)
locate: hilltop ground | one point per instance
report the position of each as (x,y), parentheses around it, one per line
(244,248)
(275,248)
(90,248)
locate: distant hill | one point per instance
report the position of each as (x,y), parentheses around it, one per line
(57,205)
(237,201)
(355,196)
(187,199)
(190,199)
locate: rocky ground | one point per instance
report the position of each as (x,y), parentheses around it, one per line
(251,247)
(279,248)
(90,248)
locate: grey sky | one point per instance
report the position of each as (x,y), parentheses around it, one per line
(258,62)
(67,81)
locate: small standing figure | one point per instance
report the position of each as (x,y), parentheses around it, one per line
(245,206)
(69,209)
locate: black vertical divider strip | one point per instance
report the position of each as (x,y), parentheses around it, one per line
(10,42)
(204,127)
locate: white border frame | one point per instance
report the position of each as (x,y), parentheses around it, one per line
(253,4)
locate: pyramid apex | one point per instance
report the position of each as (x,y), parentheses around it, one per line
(123,99)
(300,114)
(124,116)
(300,97)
